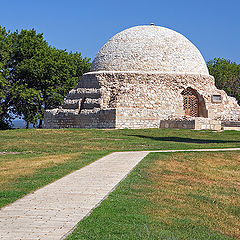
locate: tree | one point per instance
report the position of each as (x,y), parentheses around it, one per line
(227,76)
(6,51)
(24,95)
(62,72)
(41,75)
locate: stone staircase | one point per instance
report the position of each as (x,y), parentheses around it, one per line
(87,99)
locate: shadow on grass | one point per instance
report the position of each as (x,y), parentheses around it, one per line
(185,140)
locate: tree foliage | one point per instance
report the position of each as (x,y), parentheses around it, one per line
(34,75)
(227,76)
(6,51)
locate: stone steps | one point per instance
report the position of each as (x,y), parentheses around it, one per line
(89,103)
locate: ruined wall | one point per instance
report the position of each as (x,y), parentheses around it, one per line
(70,119)
(198,123)
(162,93)
(136,118)
(137,100)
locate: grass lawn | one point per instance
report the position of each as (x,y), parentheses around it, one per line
(172,196)
(46,155)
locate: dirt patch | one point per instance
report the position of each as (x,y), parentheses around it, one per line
(22,167)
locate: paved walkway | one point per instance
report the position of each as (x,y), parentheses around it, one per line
(54,210)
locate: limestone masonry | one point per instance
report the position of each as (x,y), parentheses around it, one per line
(146,77)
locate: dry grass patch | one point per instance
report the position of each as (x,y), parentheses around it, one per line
(203,187)
(13,169)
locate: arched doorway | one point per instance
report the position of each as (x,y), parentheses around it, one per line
(190,102)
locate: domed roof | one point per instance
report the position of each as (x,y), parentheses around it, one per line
(150,49)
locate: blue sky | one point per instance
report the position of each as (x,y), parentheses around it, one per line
(84,26)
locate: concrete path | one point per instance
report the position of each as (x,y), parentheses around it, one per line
(54,210)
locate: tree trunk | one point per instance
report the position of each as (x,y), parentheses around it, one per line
(40,123)
(27,126)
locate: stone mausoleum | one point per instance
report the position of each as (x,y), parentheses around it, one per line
(146,77)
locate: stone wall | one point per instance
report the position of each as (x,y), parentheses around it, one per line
(70,119)
(162,92)
(136,118)
(230,124)
(181,123)
(197,123)
(138,100)
(207,123)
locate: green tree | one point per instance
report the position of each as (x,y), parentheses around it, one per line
(24,95)
(41,75)
(227,76)
(6,52)
(62,72)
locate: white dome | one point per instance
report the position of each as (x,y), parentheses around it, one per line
(150,49)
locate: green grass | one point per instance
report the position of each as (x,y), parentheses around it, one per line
(46,155)
(27,182)
(171,196)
